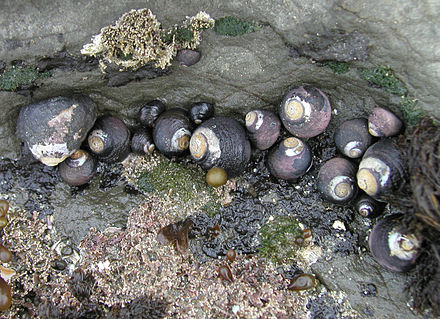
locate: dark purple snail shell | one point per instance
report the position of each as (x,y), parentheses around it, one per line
(381,170)
(352,137)
(393,248)
(305,111)
(221,142)
(142,141)
(150,112)
(336,180)
(384,123)
(263,128)
(368,207)
(109,139)
(188,57)
(290,159)
(78,169)
(201,111)
(172,132)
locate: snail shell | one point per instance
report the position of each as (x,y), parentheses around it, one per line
(78,169)
(221,141)
(305,111)
(336,180)
(109,139)
(5,295)
(142,141)
(352,138)
(150,112)
(172,132)
(392,247)
(188,57)
(383,122)
(263,128)
(290,159)
(381,170)
(368,207)
(201,111)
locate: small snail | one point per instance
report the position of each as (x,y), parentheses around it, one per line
(109,139)
(172,131)
(150,112)
(5,254)
(221,142)
(290,159)
(368,207)
(216,176)
(302,282)
(188,57)
(305,111)
(201,111)
(383,122)
(352,138)
(392,247)
(142,141)
(5,295)
(78,169)
(381,169)
(336,180)
(263,128)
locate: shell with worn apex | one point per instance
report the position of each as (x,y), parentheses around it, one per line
(381,170)
(149,113)
(290,159)
(384,123)
(53,129)
(201,111)
(142,141)
(368,207)
(263,128)
(336,180)
(109,139)
(392,247)
(221,142)
(78,169)
(305,111)
(352,138)
(172,132)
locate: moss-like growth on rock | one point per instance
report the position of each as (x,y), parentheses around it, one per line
(183,182)
(410,111)
(18,76)
(338,67)
(138,38)
(278,239)
(384,78)
(234,26)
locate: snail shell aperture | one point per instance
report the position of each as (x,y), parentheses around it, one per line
(305,111)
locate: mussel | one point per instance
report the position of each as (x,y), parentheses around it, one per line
(263,128)
(142,141)
(383,122)
(150,112)
(305,111)
(336,180)
(109,139)
(172,132)
(79,168)
(221,141)
(381,170)
(290,159)
(392,246)
(352,138)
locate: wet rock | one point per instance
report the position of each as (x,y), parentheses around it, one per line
(331,46)
(54,129)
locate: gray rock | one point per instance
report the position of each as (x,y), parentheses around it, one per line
(53,129)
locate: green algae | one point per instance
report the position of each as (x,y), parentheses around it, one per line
(278,239)
(384,77)
(411,113)
(20,76)
(338,67)
(234,26)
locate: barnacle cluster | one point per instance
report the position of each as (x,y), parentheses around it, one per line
(138,38)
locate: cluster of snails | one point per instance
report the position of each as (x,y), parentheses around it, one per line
(379,173)
(5,257)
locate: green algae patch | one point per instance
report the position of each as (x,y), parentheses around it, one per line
(18,76)
(234,26)
(384,78)
(278,239)
(410,111)
(338,67)
(180,181)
